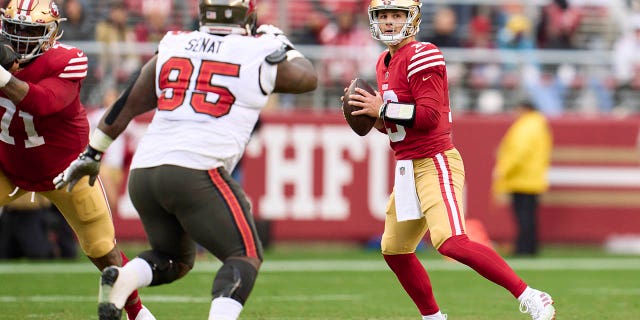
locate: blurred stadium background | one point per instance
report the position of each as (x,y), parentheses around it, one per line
(312,180)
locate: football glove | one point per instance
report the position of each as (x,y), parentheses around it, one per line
(8,56)
(277,33)
(87,164)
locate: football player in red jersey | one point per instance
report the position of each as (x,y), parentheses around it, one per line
(208,88)
(412,107)
(44,127)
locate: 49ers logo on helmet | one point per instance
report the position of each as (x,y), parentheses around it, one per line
(54,9)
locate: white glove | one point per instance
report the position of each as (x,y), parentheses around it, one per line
(276,32)
(87,164)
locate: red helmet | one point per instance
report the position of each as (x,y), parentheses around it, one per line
(228,16)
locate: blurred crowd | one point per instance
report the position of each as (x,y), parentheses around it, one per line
(564,55)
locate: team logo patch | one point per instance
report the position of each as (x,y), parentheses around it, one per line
(54,10)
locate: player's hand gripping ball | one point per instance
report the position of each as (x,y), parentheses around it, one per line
(361,124)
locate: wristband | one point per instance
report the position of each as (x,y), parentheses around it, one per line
(403,114)
(92,153)
(292,54)
(5,76)
(100,140)
(381,111)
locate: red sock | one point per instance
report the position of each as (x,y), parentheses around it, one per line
(133,304)
(414,280)
(484,261)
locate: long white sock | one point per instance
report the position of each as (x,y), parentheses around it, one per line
(525,293)
(134,275)
(143,269)
(224,309)
(435,316)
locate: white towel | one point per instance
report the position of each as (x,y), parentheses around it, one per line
(407,202)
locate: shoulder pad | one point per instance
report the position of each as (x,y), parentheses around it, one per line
(277,56)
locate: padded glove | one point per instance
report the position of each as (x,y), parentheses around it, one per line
(87,164)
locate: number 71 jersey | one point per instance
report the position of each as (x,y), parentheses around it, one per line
(210,92)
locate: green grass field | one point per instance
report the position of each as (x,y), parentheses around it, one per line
(339,282)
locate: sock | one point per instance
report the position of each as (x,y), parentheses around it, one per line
(224,309)
(484,261)
(414,280)
(436,316)
(133,304)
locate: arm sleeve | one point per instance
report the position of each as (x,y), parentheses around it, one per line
(429,95)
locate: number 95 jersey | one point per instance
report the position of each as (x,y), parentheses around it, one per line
(210,92)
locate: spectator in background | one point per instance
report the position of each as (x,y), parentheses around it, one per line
(338,68)
(444,29)
(480,33)
(626,56)
(156,22)
(78,26)
(117,60)
(516,37)
(557,25)
(521,168)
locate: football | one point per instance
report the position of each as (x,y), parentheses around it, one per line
(361,124)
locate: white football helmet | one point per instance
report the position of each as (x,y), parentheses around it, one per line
(228,16)
(411,25)
(31,26)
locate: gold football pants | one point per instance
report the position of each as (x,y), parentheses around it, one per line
(85,208)
(439,184)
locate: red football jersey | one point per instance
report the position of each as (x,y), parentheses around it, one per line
(417,74)
(40,136)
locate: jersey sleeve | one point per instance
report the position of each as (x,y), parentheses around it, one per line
(427,80)
(74,66)
(60,86)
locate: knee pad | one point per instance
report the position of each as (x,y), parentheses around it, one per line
(166,269)
(234,280)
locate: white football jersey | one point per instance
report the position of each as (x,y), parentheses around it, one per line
(210,91)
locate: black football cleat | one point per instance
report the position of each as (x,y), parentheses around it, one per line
(107,310)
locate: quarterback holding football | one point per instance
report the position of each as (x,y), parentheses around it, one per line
(412,109)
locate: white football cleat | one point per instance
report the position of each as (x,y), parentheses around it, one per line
(440,316)
(539,305)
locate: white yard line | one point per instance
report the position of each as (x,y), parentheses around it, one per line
(353,265)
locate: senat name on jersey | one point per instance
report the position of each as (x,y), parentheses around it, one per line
(204,44)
